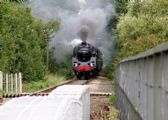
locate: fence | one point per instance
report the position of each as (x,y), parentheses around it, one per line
(142,85)
(11,83)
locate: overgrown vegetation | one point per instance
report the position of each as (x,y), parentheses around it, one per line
(23,41)
(61,67)
(144,26)
(112,99)
(141,26)
(2,92)
(52,79)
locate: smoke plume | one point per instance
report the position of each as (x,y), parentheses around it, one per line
(73,15)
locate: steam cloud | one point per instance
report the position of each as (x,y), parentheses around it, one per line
(73,15)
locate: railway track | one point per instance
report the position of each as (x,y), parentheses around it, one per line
(45,92)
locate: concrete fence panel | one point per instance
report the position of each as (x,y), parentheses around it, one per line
(142,85)
(68,102)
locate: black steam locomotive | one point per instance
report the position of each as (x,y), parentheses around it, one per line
(87,61)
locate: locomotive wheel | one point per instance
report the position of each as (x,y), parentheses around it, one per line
(83,76)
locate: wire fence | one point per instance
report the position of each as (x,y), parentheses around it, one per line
(11,82)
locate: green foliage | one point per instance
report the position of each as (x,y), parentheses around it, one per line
(132,28)
(148,7)
(141,26)
(2,92)
(17,1)
(112,99)
(142,44)
(52,79)
(144,26)
(121,6)
(63,68)
(22,41)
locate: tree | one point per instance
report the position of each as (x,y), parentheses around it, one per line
(22,41)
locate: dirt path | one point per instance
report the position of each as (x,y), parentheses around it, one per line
(101,108)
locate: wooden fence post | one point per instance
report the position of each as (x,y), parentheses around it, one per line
(11,82)
(1,99)
(12,88)
(6,82)
(16,82)
(1,80)
(20,82)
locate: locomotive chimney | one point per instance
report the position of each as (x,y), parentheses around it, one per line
(83,33)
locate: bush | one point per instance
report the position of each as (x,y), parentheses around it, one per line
(144,26)
(141,26)
(34,86)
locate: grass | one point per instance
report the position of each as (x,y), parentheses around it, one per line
(113,114)
(112,99)
(52,79)
(1,92)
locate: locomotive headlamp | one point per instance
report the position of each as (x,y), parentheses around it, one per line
(75,64)
(92,64)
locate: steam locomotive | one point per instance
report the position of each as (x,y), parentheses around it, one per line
(87,61)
